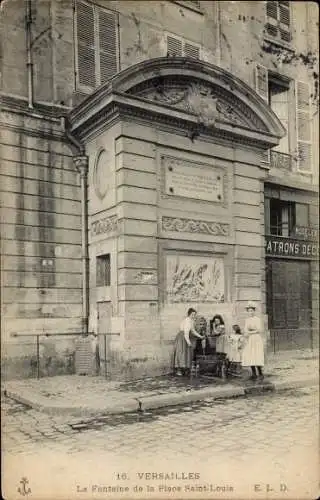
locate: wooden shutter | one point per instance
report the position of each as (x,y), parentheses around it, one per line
(272,19)
(284,21)
(174,46)
(272,10)
(191,50)
(303,120)
(108,60)
(85,44)
(262,84)
(262,88)
(278,20)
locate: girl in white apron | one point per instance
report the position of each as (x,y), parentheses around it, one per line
(253,351)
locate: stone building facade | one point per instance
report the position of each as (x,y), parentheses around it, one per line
(148,167)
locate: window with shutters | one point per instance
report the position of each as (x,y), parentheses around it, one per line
(177,46)
(278,21)
(96,46)
(276,90)
(278,97)
(303,127)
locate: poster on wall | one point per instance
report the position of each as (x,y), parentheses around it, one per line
(194,278)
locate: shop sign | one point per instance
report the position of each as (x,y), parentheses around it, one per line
(305,233)
(288,247)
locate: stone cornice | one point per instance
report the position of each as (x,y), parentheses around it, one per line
(36,122)
(46,110)
(216,101)
(292,183)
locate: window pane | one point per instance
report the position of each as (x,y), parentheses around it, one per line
(279,102)
(275,217)
(302,214)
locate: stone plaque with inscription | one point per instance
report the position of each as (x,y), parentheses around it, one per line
(189,180)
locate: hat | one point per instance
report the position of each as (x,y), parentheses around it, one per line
(251,305)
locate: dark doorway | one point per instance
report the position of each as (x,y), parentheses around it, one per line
(289,303)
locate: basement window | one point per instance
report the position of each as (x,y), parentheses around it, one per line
(103,270)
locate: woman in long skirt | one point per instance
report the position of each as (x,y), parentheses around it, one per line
(253,351)
(185,343)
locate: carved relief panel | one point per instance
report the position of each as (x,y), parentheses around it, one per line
(194,278)
(210,103)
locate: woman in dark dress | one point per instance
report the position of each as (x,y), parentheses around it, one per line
(184,344)
(216,329)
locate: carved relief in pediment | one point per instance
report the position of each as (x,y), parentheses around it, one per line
(199,99)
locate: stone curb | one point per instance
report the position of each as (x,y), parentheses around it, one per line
(60,409)
(295,384)
(172,399)
(162,400)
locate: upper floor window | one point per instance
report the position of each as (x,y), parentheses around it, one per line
(278,97)
(281,95)
(177,46)
(278,21)
(283,217)
(96,45)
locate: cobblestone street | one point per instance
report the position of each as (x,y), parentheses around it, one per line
(275,432)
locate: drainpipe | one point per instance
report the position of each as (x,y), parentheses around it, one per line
(29,53)
(81,163)
(218,36)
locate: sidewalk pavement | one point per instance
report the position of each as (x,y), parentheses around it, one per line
(84,395)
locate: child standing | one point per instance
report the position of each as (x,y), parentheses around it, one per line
(234,351)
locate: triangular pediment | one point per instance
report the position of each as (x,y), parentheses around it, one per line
(188,91)
(210,103)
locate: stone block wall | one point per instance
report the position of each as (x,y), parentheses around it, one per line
(41,231)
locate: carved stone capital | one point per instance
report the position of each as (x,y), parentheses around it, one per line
(81,164)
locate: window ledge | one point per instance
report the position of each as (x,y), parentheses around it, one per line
(304,173)
(291,182)
(279,43)
(188,5)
